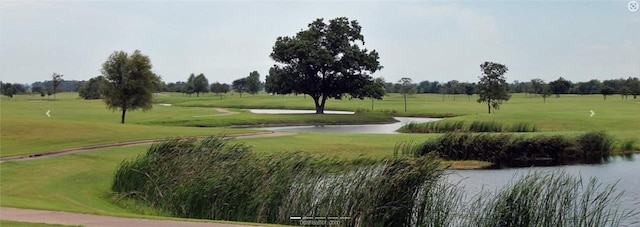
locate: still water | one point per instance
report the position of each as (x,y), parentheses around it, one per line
(358,129)
(623,171)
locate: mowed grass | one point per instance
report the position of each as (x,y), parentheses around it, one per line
(25,128)
(76,182)
(28,224)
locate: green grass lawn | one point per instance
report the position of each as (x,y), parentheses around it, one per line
(25,129)
(80,182)
(28,224)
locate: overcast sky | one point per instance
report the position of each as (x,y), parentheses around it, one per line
(225,40)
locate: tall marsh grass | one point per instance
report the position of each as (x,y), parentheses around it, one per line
(463,126)
(549,199)
(509,150)
(214,179)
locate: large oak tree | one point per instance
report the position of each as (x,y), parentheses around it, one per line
(129,82)
(325,61)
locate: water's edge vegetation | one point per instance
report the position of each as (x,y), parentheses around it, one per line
(510,150)
(463,126)
(214,179)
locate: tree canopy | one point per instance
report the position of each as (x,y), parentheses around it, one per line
(240,85)
(91,89)
(324,61)
(492,87)
(253,83)
(375,90)
(129,82)
(200,84)
(55,82)
(219,88)
(406,88)
(560,86)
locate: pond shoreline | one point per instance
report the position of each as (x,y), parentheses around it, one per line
(311,124)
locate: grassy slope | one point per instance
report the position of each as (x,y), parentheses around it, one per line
(25,128)
(75,183)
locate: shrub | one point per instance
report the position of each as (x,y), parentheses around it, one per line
(595,146)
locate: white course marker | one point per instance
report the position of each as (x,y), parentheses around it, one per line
(592,113)
(48,111)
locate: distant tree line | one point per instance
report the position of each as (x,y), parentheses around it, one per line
(626,88)
(623,87)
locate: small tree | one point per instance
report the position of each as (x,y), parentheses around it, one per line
(624,92)
(91,89)
(253,83)
(56,79)
(200,84)
(469,89)
(634,86)
(492,87)
(536,86)
(545,91)
(219,88)
(406,88)
(129,82)
(7,89)
(560,86)
(375,90)
(240,85)
(606,90)
(189,88)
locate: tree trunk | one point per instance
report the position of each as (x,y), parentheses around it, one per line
(124,111)
(372,104)
(322,102)
(405,102)
(319,104)
(489,106)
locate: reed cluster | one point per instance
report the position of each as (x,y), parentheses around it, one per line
(549,199)
(463,126)
(213,179)
(509,150)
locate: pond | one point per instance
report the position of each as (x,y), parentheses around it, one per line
(621,170)
(355,129)
(389,128)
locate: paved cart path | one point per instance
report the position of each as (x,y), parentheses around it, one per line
(89,220)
